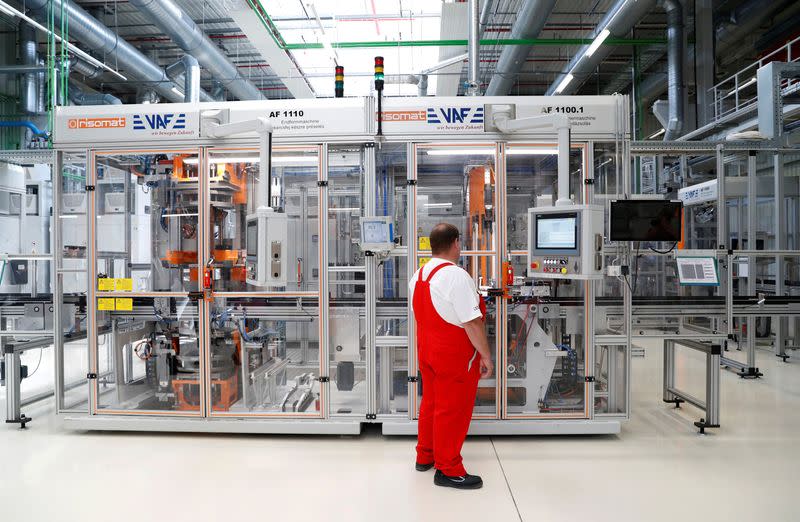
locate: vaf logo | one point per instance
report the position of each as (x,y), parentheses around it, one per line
(455,115)
(168,121)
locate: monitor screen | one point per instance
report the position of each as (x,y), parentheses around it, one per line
(252,237)
(374,232)
(556,231)
(646,220)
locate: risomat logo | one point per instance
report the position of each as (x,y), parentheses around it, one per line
(167,121)
(452,115)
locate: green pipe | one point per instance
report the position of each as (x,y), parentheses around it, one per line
(268,24)
(451,43)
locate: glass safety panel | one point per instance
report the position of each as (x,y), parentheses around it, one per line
(264,356)
(72,278)
(264,230)
(148,355)
(391,282)
(611,380)
(456,184)
(346,280)
(545,358)
(486,400)
(147,221)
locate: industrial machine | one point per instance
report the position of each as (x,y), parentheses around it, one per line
(248,271)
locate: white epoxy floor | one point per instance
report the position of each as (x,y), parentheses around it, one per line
(658,469)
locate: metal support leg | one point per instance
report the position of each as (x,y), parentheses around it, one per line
(13,378)
(712,390)
(669,374)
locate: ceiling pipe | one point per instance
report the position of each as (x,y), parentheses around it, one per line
(190,69)
(176,24)
(674,125)
(618,22)
(530,22)
(473,49)
(21,69)
(486,13)
(27,51)
(80,97)
(99,38)
(742,22)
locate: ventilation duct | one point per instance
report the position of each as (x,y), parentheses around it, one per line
(529,24)
(168,17)
(29,91)
(674,125)
(97,37)
(80,97)
(619,20)
(190,69)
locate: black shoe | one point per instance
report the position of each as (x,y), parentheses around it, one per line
(423,467)
(463,482)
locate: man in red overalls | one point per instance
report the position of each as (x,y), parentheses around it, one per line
(453,355)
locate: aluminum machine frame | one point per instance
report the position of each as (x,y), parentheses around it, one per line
(343,327)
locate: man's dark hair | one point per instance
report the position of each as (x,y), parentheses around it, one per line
(443,236)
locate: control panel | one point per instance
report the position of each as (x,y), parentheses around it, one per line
(565,242)
(266,238)
(552,265)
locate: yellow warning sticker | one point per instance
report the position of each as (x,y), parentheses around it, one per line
(423,260)
(105,284)
(424,243)
(105,303)
(124,303)
(124,285)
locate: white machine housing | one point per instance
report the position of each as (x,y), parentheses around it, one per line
(578,258)
(266,248)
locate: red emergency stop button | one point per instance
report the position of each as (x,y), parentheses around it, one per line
(534,265)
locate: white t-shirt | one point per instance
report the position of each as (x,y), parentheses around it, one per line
(453,292)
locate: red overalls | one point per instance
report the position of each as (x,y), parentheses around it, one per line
(450,368)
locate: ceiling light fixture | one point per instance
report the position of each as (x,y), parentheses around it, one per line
(598,41)
(461,152)
(255,159)
(531,151)
(563,85)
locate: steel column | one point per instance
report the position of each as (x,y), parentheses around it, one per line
(57,280)
(411,264)
(370,263)
(324,276)
(752,225)
(779,323)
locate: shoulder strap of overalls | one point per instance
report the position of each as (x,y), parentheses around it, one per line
(433,272)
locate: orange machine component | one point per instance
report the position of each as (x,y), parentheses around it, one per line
(508,277)
(477,214)
(185,257)
(682,242)
(226,255)
(179,171)
(180,257)
(239,273)
(238,178)
(224,393)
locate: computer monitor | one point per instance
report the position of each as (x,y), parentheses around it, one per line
(377,233)
(557,231)
(646,220)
